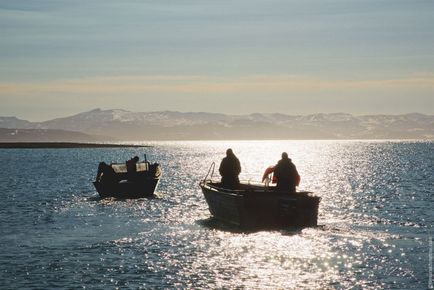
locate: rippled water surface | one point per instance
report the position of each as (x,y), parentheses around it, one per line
(375,218)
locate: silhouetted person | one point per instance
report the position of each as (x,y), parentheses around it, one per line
(106,173)
(131,167)
(229,169)
(286,174)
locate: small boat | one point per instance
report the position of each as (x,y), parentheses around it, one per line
(256,206)
(115,181)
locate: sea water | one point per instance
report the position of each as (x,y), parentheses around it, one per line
(375,220)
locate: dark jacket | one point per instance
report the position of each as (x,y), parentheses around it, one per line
(229,169)
(286,174)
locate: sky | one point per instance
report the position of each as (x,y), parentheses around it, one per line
(62,57)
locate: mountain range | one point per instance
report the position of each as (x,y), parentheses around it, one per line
(122,125)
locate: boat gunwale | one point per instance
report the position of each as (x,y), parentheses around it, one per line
(208,184)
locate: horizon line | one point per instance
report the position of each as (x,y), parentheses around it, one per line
(215,113)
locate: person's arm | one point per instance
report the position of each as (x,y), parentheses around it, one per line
(221,168)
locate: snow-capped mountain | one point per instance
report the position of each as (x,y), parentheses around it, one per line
(169,125)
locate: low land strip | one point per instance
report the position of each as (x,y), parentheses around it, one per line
(49,145)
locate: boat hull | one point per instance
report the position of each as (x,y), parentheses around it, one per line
(127,189)
(116,180)
(255,206)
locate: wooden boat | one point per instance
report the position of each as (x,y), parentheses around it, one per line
(115,181)
(253,206)
(257,206)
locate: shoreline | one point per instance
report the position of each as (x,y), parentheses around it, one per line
(63,145)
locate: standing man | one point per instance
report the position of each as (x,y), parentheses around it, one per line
(229,169)
(286,174)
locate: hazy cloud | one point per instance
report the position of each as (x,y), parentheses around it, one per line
(124,85)
(252,55)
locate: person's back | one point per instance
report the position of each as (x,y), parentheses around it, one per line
(229,169)
(286,174)
(131,167)
(106,174)
(131,164)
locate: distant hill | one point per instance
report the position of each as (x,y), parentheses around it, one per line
(47,135)
(169,125)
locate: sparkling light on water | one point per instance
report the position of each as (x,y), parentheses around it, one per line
(375,219)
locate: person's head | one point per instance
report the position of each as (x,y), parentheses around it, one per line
(136,158)
(229,152)
(284,155)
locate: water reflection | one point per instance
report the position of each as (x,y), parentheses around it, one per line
(375,216)
(355,182)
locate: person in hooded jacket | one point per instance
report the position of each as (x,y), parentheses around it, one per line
(286,174)
(229,169)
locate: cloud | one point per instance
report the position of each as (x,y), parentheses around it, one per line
(195,84)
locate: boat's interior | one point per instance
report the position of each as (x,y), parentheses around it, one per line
(122,167)
(248,186)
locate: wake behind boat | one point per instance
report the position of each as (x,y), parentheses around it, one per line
(118,180)
(260,206)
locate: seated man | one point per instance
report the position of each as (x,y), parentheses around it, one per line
(106,173)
